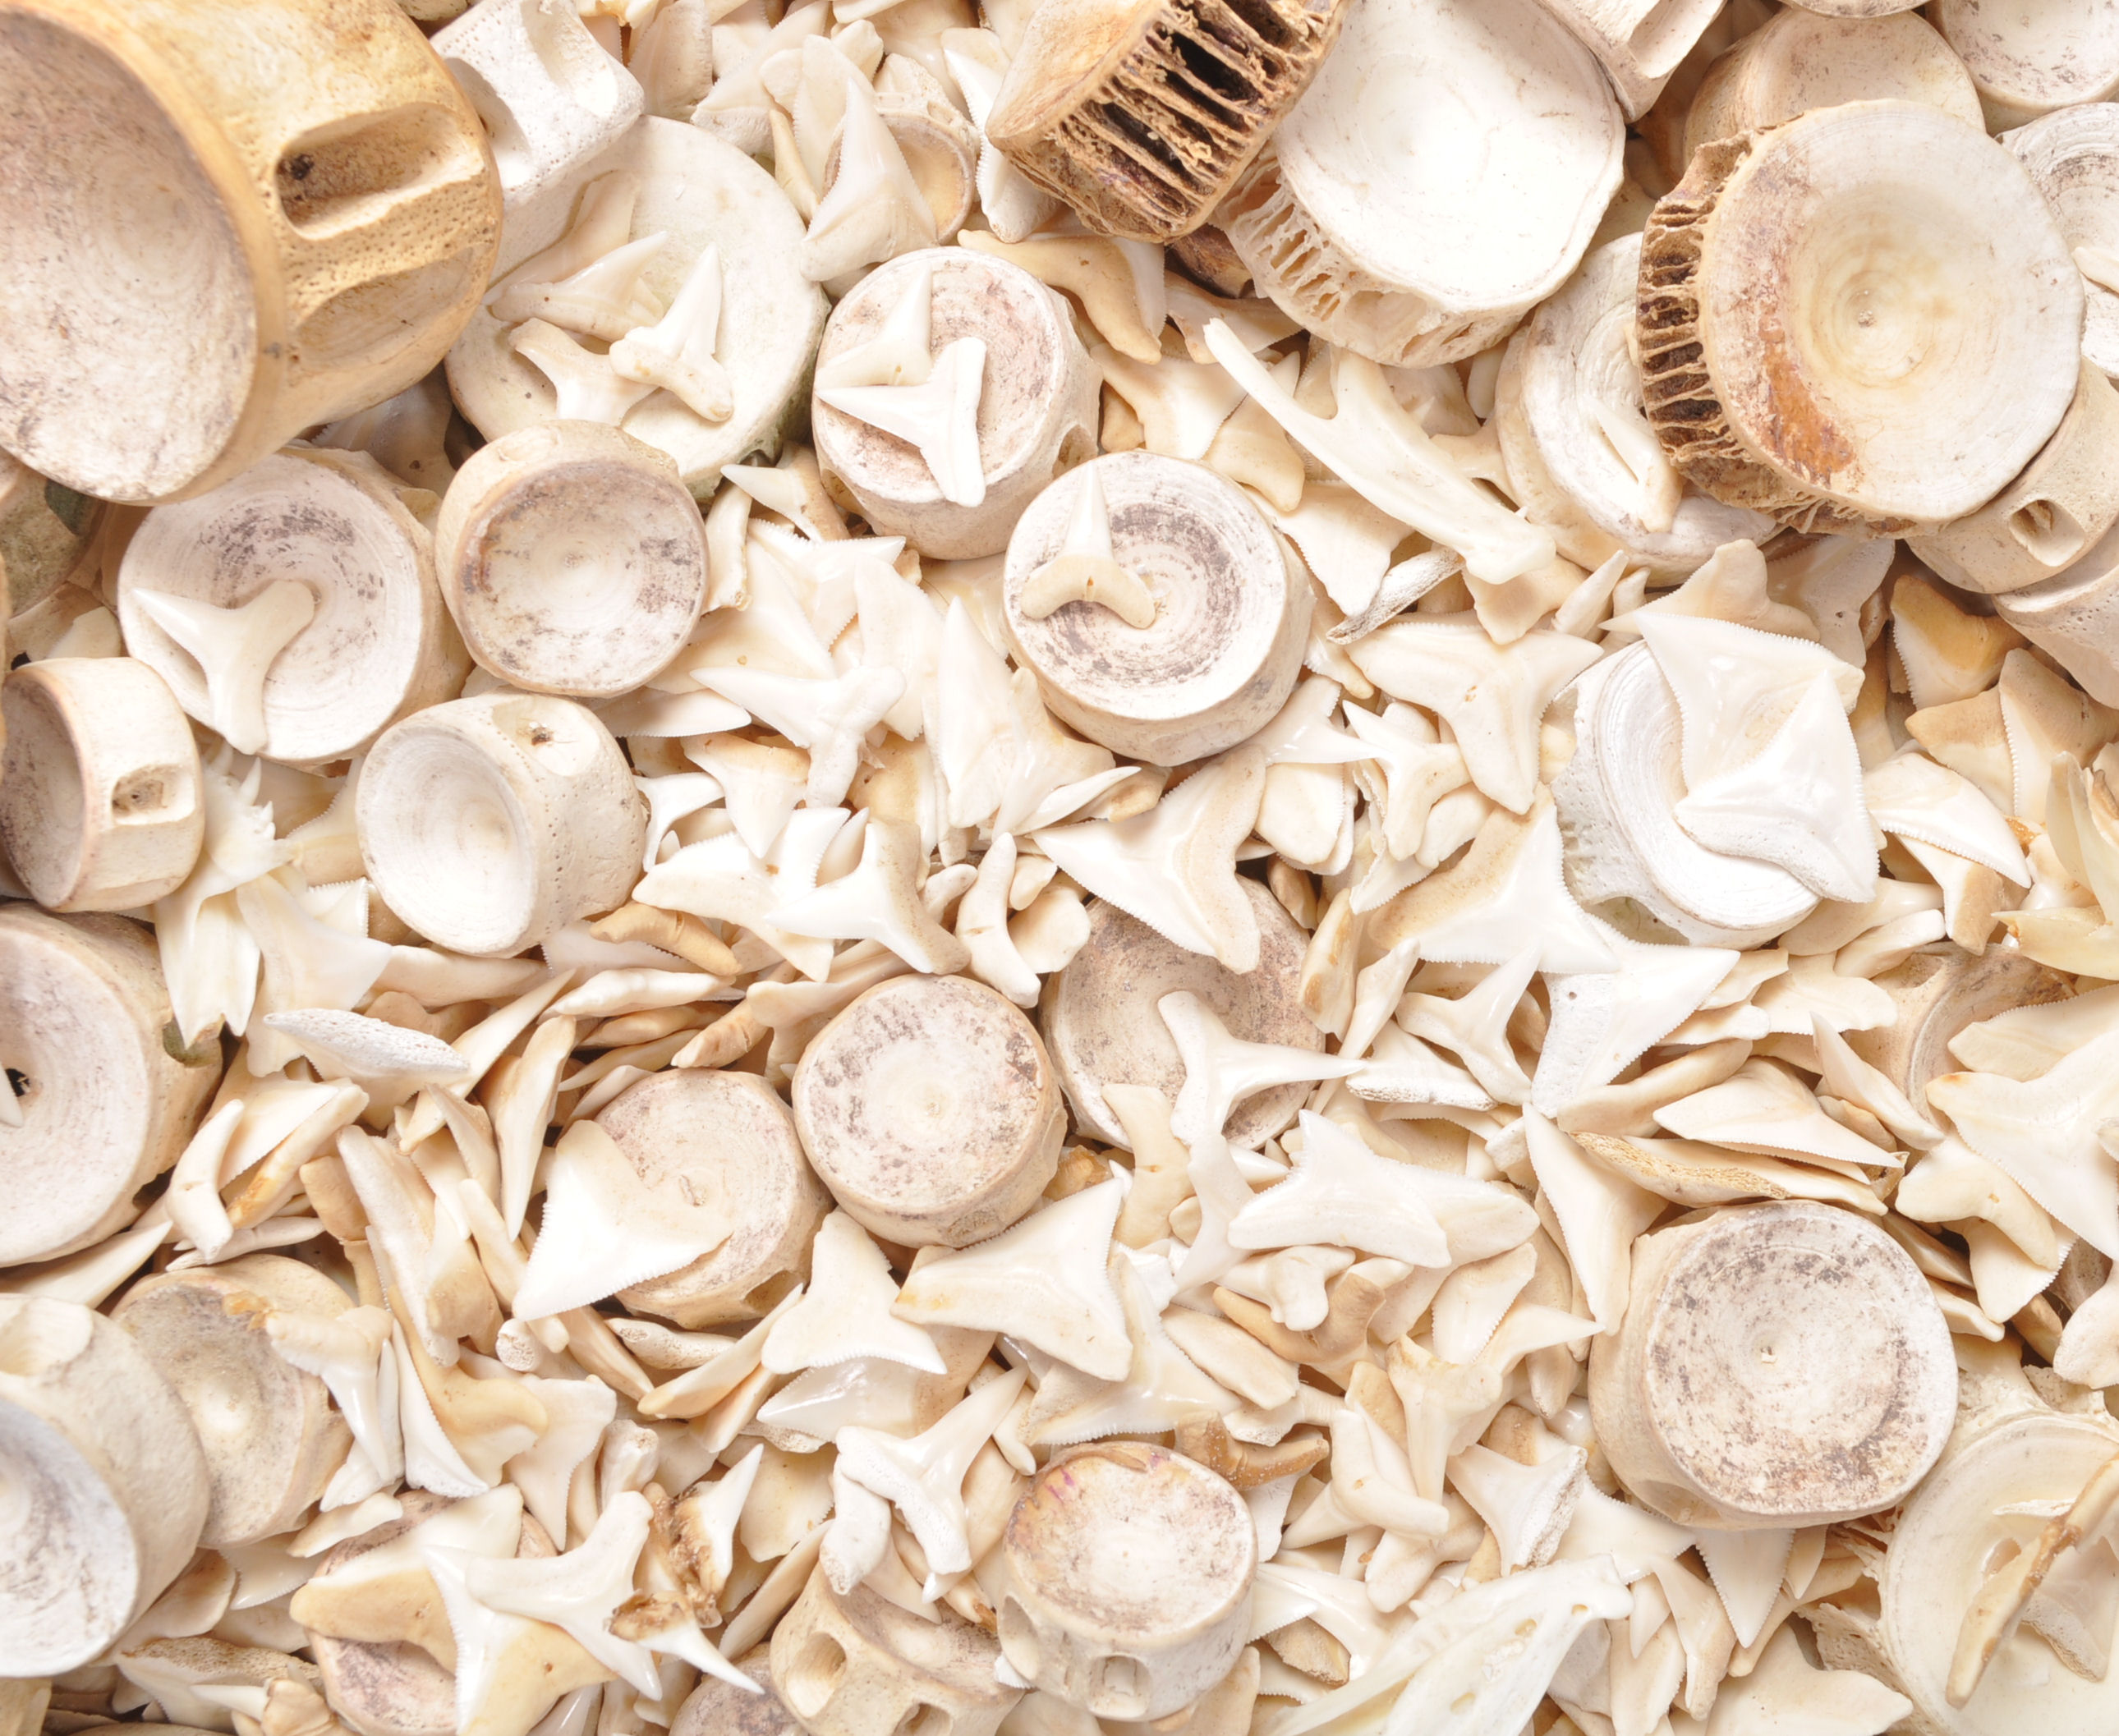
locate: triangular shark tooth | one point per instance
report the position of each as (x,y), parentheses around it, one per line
(234,649)
(1084,570)
(588,389)
(875,209)
(604,299)
(676,352)
(939,417)
(902,352)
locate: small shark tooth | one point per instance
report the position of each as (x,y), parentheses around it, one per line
(761,785)
(1417,769)
(1373,443)
(1341,1192)
(1730,586)
(1948,653)
(1493,696)
(847,1311)
(577,1413)
(1763,1108)
(605,1227)
(1474,1298)
(1602,1021)
(676,353)
(1053,774)
(1181,405)
(386,1061)
(1854,1080)
(2044,1133)
(1222,1193)
(829,718)
(902,352)
(924,1477)
(1173,866)
(939,417)
(670,798)
(901,629)
(1475,1025)
(1084,570)
(1345,542)
(2043,715)
(1402,586)
(600,227)
(880,902)
(234,649)
(1601,1212)
(973,732)
(1786,1691)
(1302,734)
(875,209)
(604,299)
(577,1592)
(307,963)
(1798,802)
(1120,290)
(1221,1070)
(1505,895)
(1734,687)
(1526,1506)
(510,1670)
(720,880)
(1042,1282)
(1911,796)
(1015,206)
(348,1354)
(1400,1068)
(1746,1568)
(587,388)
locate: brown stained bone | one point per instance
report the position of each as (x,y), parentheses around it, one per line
(1140,114)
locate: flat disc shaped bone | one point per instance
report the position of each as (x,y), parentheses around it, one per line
(2028,60)
(1036,405)
(100,804)
(1803,60)
(1779,1365)
(724,1136)
(270,1437)
(929,1109)
(1986,1501)
(1138,113)
(103,1105)
(699,192)
(377,644)
(1444,173)
(2061,506)
(1827,328)
(489,824)
(858,1666)
(1129,1571)
(208,252)
(1232,612)
(2073,155)
(1568,407)
(106,1487)
(1101,1024)
(572,558)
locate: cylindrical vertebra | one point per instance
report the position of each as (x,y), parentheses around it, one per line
(1779,1365)
(731,1138)
(489,824)
(2074,617)
(104,1105)
(2028,60)
(928,1108)
(207,252)
(1801,354)
(2073,157)
(858,1665)
(2048,517)
(102,1482)
(1128,1574)
(270,1437)
(1101,1022)
(1232,612)
(1037,401)
(100,808)
(378,646)
(572,558)
(1138,113)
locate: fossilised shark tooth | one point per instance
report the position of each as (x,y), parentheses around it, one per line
(676,352)
(589,389)
(1084,571)
(603,299)
(234,649)
(939,417)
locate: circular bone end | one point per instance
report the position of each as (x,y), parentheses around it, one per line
(929,1109)
(103,1106)
(270,1438)
(1780,1365)
(103,1489)
(1889,318)
(1231,614)
(1129,1574)
(489,824)
(858,1666)
(726,1137)
(1038,400)
(100,807)
(373,645)
(572,558)
(130,350)
(1101,1023)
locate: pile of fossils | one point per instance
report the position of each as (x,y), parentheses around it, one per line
(1210,867)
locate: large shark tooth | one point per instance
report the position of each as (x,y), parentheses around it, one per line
(939,417)
(676,352)
(1763,1109)
(233,649)
(875,209)
(1735,686)
(1372,443)
(1913,797)
(1173,866)
(1493,696)
(845,1311)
